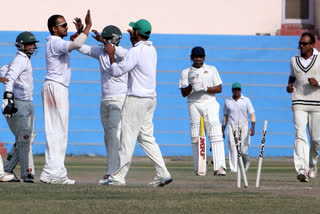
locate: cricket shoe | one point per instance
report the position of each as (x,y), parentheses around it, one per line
(103,179)
(66,180)
(302,176)
(312,173)
(28,179)
(220,172)
(15,179)
(113,183)
(6,177)
(160,182)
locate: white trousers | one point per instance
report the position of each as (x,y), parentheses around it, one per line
(304,158)
(136,120)
(210,111)
(245,143)
(56,119)
(110,113)
(1,167)
(21,125)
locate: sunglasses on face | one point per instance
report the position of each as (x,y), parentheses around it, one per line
(304,43)
(64,25)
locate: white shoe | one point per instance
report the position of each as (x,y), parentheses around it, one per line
(160,182)
(103,180)
(57,181)
(66,180)
(220,172)
(113,183)
(302,176)
(6,177)
(312,173)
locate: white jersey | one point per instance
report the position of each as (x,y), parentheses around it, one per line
(58,60)
(19,74)
(238,111)
(209,75)
(141,63)
(111,86)
(305,96)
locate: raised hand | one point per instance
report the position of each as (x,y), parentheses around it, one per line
(88,20)
(97,36)
(78,24)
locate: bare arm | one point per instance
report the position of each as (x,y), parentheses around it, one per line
(215,90)
(290,84)
(186,91)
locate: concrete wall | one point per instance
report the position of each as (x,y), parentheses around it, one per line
(245,17)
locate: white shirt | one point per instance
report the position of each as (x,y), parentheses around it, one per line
(141,63)
(111,86)
(19,74)
(238,111)
(58,60)
(209,75)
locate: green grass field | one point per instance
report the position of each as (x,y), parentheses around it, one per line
(280,191)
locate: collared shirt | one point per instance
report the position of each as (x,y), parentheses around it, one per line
(19,74)
(141,63)
(237,111)
(209,75)
(58,60)
(111,86)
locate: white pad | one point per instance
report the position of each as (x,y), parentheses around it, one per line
(218,155)
(1,167)
(195,156)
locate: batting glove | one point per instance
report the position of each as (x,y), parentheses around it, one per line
(193,76)
(199,86)
(8,106)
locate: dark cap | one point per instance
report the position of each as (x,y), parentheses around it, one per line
(198,51)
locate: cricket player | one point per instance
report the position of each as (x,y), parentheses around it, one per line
(55,97)
(136,119)
(236,110)
(304,86)
(4,176)
(17,106)
(200,83)
(114,90)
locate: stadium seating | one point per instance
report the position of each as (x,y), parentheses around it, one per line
(260,63)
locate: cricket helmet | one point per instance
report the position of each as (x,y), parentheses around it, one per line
(112,33)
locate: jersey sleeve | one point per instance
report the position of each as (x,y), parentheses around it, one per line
(250,106)
(60,46)
(92,51)
(125,65)
(216,78)
(120,52)
(17,66)
(291,69)
(225,108)
(184,82)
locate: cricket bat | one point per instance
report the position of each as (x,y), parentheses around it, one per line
(202,153)
(264,132)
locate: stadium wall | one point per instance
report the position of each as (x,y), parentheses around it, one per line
(260,63)
(237,17)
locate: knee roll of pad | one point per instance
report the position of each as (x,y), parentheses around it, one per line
(215,133)
(195,130)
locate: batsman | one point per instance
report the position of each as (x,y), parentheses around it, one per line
(200,83)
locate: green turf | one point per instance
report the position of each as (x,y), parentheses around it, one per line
(280,192)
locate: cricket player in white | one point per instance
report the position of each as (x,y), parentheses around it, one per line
(236,110)
(114,90)
(17,106)
(305,88)
(200,83)
(4,176)
(137,114)
(55,97)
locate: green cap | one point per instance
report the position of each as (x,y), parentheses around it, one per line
(142,26)
(236,85)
